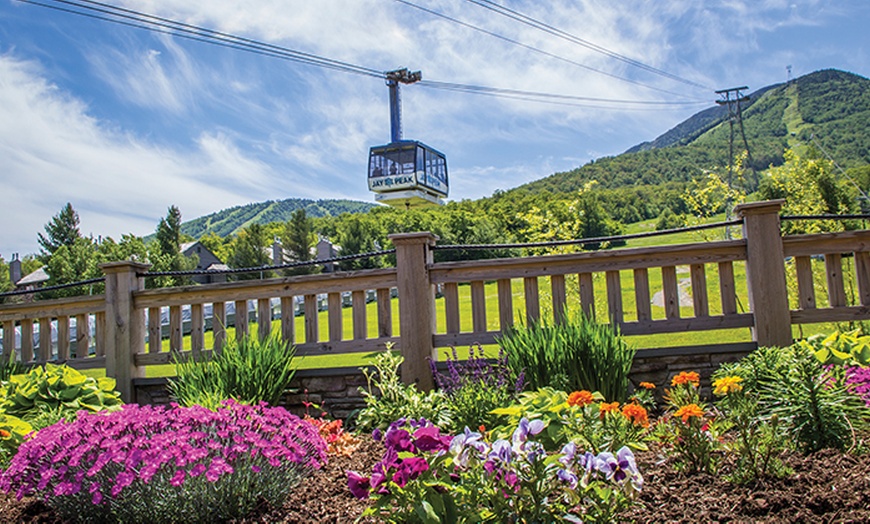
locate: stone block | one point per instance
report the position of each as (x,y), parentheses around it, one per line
(323,384)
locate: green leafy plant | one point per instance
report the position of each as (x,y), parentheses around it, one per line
(575,355)
(758,441)
(10,367)
(388,399)
(249,370)
(690,428)
(45,394)
(817,403)
(581,417)
(12,433)
(476,386)
(840,348)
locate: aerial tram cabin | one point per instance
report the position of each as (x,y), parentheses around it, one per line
(406,173)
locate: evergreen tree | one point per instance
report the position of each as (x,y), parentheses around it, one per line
(165,253)
(298,238)
(61,230)
(249,249)
(169,232)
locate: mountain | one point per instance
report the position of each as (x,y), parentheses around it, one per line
(229,221)
(828,107)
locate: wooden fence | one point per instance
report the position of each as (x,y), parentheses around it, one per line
(126,321)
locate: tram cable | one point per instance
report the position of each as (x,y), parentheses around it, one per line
(137,19)
(547,28)
(535,49)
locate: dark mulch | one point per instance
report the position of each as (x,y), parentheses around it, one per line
(826,487)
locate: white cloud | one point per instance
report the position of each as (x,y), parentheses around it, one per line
(53,152)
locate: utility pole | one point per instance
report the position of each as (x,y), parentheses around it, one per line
(732,97)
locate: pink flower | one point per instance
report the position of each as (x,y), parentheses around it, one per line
(178,478)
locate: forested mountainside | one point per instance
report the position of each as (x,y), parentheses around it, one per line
(232,220)
(829,106)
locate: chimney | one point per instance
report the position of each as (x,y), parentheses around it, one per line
(15,269)
(277,253)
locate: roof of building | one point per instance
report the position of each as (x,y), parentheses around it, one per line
(37,277)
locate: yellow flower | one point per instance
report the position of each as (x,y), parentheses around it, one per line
(692,410)
(580,398)
(686,377)
(726,385)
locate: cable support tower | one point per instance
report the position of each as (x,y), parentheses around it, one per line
(732,98)
(547,28)
(538,50)
(137,19)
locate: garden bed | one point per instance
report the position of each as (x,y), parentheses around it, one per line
(827,486)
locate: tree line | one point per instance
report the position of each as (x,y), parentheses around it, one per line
(809,182)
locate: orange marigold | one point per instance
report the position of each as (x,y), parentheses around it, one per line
(4,433)
(605,408)
(636,414)
(580,398)
(647,385)
(686,377)
(692,410)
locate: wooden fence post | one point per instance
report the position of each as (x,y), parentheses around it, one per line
(416,306)
(765,272)
(125,327)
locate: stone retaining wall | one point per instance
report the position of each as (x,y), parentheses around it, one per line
(337,391)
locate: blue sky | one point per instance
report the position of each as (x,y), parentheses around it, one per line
(123,123)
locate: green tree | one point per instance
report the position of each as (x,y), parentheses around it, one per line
(169,232)
(61,230)
(250,249)
(165,252)
(809,187)
(217,245)
(73,263)
(359,234)
(298,237)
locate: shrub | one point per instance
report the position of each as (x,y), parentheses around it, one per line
(153,465)
(44,395)
(575,355)
(249,370)
(476,386)
(388,399)
(815,403)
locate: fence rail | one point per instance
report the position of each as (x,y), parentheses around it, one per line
(651,290)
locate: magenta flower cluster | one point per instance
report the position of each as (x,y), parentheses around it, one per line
(104,454)
(858,378)
(404,436)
